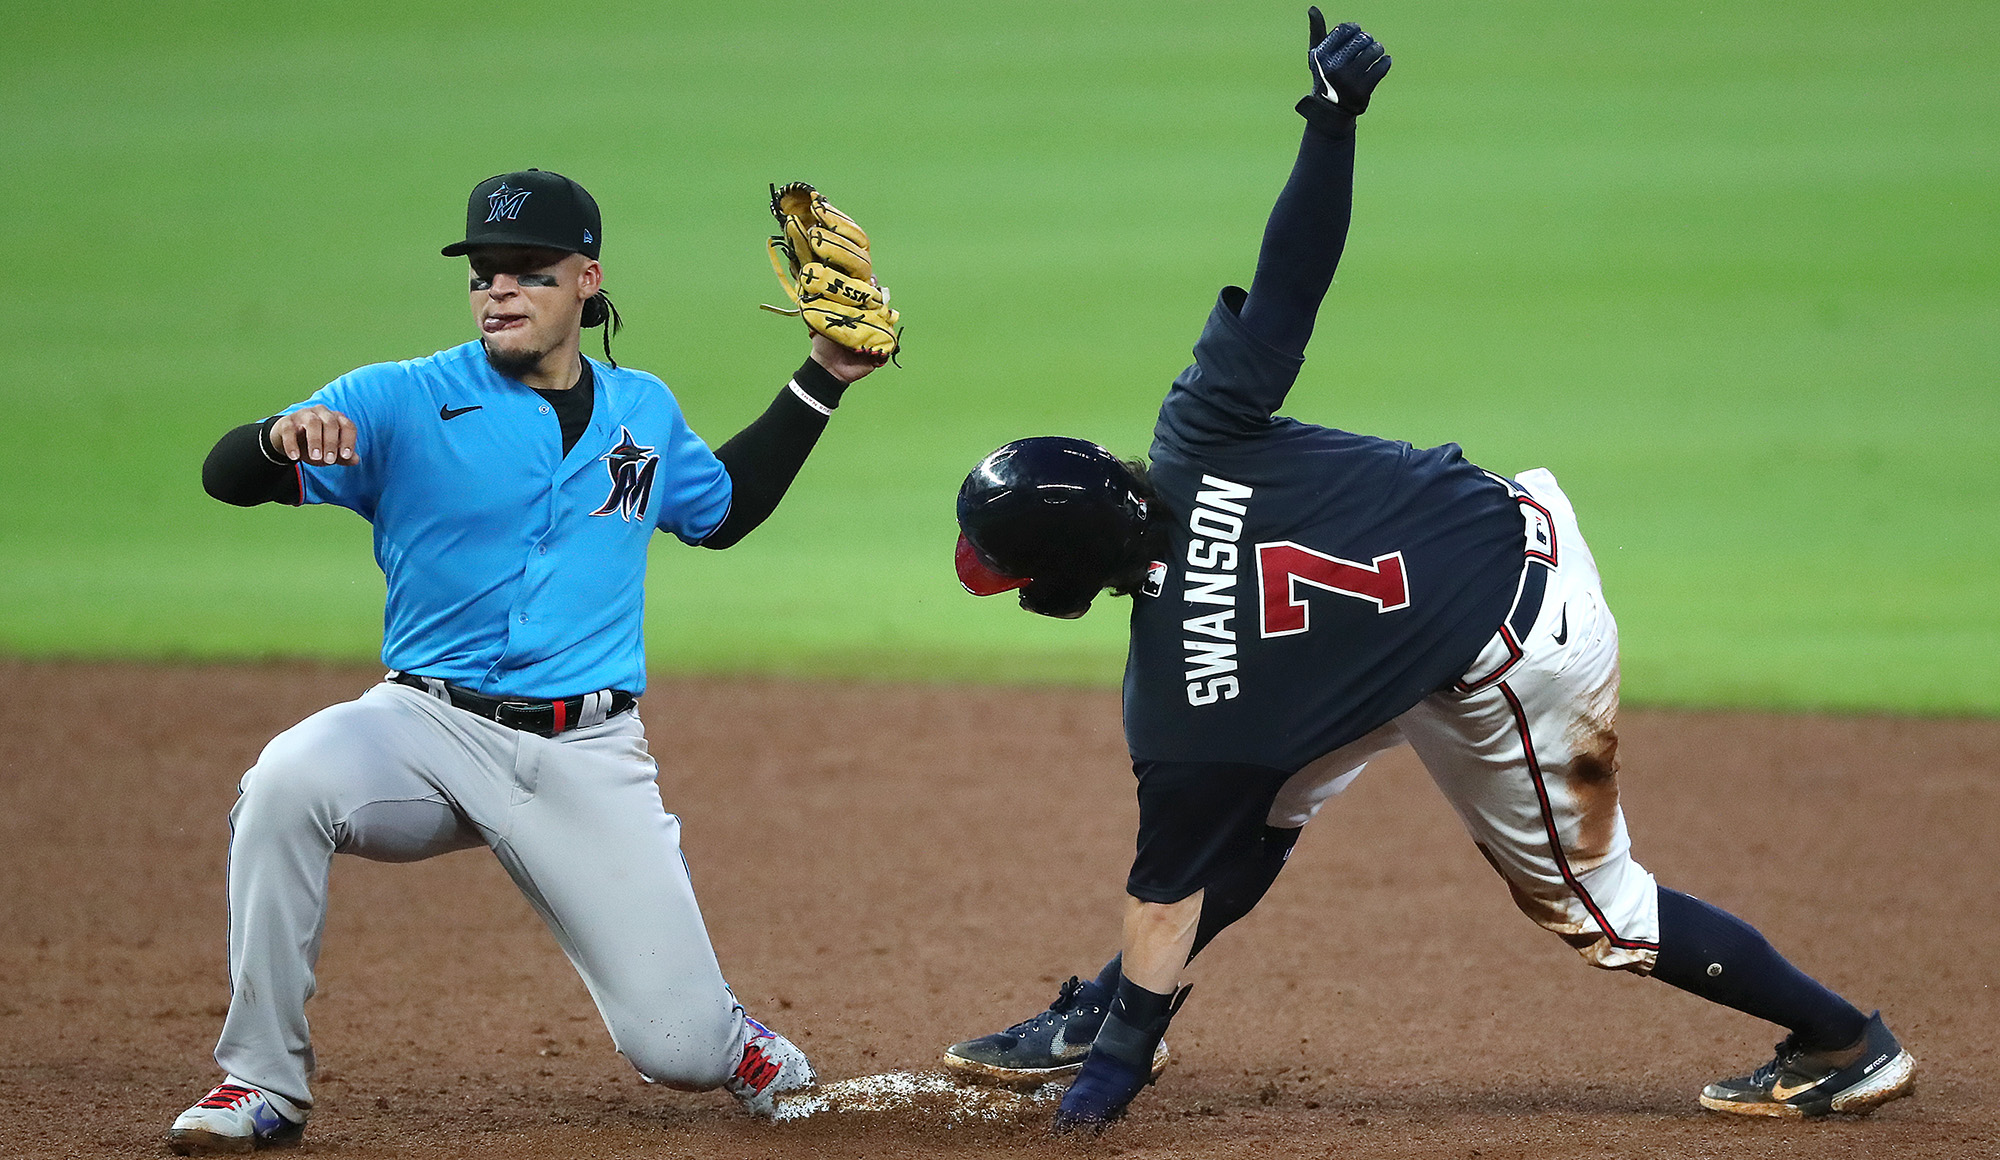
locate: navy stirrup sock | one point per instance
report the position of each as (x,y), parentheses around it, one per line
(1709,952)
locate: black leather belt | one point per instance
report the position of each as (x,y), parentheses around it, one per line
(546,718)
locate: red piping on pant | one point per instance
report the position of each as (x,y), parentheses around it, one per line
(1555,839)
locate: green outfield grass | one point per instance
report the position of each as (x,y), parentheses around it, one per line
(1732,273)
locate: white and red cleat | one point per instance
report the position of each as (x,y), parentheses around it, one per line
(235,1117)
(771,1066)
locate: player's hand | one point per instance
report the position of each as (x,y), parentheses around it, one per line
(1346,65)
(317,435)
(845,365)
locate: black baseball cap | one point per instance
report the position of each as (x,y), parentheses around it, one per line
(531,208)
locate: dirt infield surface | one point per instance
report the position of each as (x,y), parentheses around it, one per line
(888,868)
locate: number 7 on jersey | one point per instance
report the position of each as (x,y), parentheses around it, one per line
(1284,565)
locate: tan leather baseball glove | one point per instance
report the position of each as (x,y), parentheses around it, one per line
(821,258)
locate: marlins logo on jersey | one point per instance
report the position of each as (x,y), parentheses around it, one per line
(631,467)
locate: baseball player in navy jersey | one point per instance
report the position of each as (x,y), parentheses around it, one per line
(1306,598)
(514,487)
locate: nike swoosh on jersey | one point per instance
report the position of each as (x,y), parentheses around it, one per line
(448,414)
(1562,630)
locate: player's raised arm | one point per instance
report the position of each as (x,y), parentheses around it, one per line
(1307,229)
(1254,343)
(823,261)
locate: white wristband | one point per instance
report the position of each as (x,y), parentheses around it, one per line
(808,400)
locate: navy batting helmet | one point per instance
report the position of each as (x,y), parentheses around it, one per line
(1061,519)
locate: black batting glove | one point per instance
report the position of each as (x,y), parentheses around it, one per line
(1346,66)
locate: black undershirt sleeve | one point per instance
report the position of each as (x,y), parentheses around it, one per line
(1304,237)
(243,470)
(764,458)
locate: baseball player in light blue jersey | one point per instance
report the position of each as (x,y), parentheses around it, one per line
(514,487)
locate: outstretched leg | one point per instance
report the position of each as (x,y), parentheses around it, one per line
(1709,952)
(1530,762)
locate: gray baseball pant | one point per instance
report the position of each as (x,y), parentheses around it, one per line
(398,776)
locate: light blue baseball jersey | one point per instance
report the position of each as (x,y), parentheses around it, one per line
(514,569)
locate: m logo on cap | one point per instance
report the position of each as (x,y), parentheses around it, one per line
(506,202)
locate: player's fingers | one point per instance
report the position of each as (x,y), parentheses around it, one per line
(1365,60)
(1346,43)
(323,435)
(310,435)
(344,444)
(1315,27)
(285,437)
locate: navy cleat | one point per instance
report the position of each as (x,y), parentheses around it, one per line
(1049,1046)
(1800,1084)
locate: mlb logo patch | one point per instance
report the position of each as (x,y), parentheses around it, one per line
(1156,579)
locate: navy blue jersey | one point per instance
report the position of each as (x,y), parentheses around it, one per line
(1320,583)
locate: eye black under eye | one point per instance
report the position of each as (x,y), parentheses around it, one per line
(538,280)
(479,283)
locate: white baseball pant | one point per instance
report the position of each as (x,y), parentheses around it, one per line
(1528,757)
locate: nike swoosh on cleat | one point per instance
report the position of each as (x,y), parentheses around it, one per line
(1562,633)
(448,414)
(1058,1049)
(1783,1094)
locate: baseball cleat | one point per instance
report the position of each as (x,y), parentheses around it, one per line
(1798,1084)
(771,1066)
(236,1117)
(1048,1046)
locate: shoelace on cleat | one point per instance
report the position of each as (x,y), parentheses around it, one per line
(226,1095)
(1787,1050)
(757,1068)
(1064,1004)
